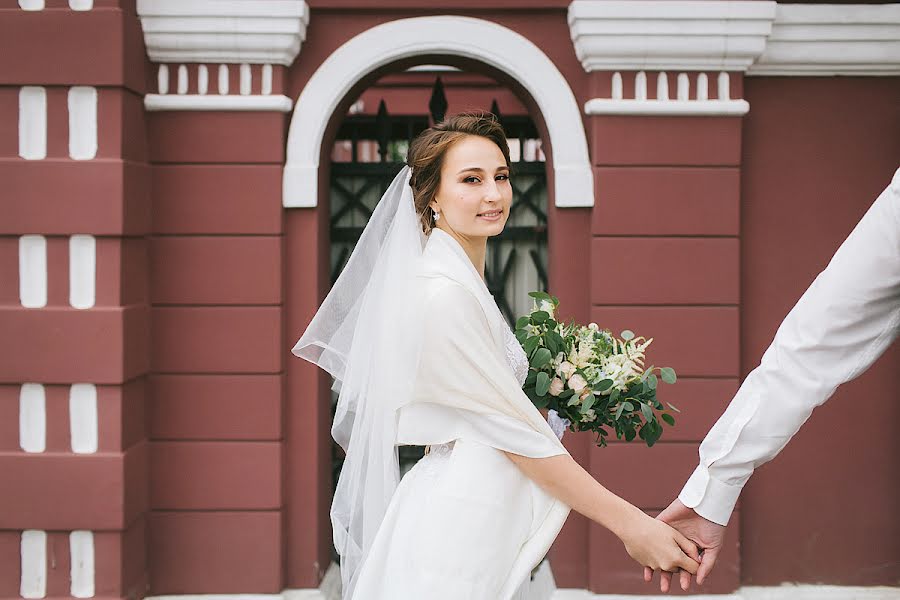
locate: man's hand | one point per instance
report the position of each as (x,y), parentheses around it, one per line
(708,536)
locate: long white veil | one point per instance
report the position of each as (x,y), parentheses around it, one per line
(366,334)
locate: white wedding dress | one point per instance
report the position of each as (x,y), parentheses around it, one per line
(465,523)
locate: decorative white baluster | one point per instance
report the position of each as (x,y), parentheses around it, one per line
(245,79)
(81,4)
(162,79)
(266,80)
(640,86)
(223,79)
(662,86)
(617,86)
(202,80)
(724,91)
(702,87)
(684,85)
(31,4)
(182,79)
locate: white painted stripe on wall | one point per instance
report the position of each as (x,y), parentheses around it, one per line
(266,80)
(81,4)
(32,417)
(82,270)
(245,79)
(82,122)
(33,120)
(223,79)
(81,550)
(83,421)
(33,271)
(33,549)
(31,4)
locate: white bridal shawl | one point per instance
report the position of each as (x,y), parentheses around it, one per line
(416,345)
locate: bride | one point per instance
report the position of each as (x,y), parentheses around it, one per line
(421,355)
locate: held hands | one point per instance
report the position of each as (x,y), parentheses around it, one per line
(707,535)
(656,545)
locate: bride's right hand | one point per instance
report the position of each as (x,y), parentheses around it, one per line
(655,544)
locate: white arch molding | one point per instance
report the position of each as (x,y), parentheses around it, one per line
(468,37)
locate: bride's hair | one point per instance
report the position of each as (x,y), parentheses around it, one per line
(427,150)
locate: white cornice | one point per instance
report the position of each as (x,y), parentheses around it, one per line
(757,37)
(659,35)
(832,39)
(234,102)
(223,31)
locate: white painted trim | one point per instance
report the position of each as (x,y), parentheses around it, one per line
(32,417)
(31,4)
(757,37)
(658,35)
(81,567)
(728,108)
(81,4)
(83,418)
(82,104)
(82,271)
(832,39)
(33,271)
(275,102)
(33,121)
(478,39)
(33,574)
(223,31)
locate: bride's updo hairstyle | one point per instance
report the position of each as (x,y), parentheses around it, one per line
(426,155)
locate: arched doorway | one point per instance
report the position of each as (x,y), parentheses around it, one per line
(464,43)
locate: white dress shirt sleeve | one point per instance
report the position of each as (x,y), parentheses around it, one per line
(843,322)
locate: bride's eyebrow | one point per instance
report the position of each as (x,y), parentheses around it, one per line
(480,170)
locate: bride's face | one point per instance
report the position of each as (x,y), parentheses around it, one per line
(475,194)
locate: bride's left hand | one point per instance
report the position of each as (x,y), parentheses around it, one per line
(708,536)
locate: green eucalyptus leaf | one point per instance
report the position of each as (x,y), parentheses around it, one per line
(648,412)
(605,385)
(539,316)
(540,295)
(541,357)
(668,374)
(668,418)
(651,381)
(521,322)
(542,384)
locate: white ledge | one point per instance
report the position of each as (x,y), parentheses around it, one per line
(659,35)
(274,103)
(832,39)
(606,106)
(223,31)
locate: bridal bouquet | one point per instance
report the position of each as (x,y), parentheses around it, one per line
(590,379)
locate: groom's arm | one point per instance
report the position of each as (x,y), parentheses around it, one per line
(841,325)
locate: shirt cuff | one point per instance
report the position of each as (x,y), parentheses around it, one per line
(709,497)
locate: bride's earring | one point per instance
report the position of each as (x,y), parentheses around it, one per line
(437,215)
